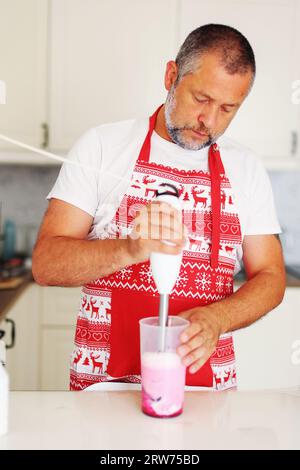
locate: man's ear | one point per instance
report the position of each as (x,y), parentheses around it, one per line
(170,74)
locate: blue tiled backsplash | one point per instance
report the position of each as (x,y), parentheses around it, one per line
(23,190)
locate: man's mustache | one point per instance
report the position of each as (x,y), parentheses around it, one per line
(203,130)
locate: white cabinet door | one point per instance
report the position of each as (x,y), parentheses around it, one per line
(23,359)
(107,62)
(23,59)
(268,121)
(57,346)
(45,319)
(265,350)
(59,307)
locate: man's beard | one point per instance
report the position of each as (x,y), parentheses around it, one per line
(176,132)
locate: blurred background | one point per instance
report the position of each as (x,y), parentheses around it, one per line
(73,64)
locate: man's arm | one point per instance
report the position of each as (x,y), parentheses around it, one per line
(63,257)
(263,291)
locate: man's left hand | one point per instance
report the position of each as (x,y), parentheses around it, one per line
(200,338)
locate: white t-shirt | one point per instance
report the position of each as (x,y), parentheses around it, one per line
(109,152)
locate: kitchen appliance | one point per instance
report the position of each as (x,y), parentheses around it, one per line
(165,267)
(9,239)
(12,268)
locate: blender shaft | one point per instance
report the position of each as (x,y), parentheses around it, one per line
(163,319)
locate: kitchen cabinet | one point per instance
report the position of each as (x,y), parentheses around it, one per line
(23,359)
(73,65)
(59,308)
(45,319)
(105,66)
(23,39)
(57,345)
(268,351)
(268,121)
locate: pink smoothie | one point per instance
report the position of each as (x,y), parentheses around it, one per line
(163,380)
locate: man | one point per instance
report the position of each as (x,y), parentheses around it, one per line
(102,222)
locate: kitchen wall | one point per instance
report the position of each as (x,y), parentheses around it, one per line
(22,194)
(23,190)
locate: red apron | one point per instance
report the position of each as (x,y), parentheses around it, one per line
(107,331)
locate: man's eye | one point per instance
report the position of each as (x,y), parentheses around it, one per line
(201,100)
(226,110)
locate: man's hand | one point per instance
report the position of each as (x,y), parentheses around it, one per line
(155,222)
(200,338)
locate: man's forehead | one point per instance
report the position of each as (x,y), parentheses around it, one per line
(217,84)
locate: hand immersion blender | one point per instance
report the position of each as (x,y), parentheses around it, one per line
(165,267)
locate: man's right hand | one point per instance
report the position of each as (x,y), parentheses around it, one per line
(155,223)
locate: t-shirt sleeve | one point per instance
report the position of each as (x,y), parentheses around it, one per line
(78,179)
(261,215)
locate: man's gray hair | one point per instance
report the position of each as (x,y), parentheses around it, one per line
(235,51)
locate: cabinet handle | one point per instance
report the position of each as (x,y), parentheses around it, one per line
(45,142)
(294,143)
(13,333)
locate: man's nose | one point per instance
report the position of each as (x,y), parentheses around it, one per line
(209,117)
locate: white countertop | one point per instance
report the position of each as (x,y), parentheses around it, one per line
(113,420)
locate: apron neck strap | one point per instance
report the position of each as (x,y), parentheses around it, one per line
(215,168)
(144,154)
